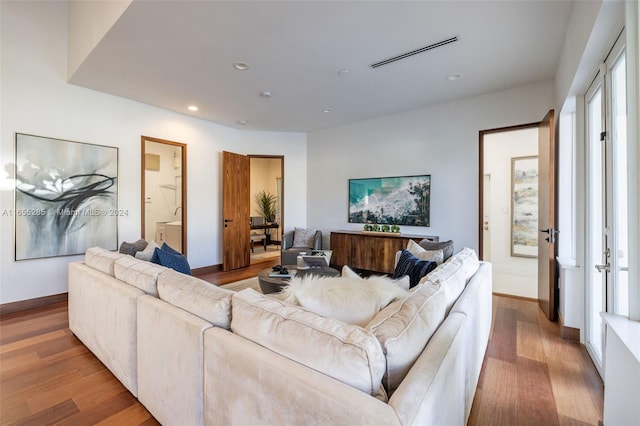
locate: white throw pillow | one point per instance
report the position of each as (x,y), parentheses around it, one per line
(404,282)
(303,237)
(422,254)
(147,253)
(350,273)
(350,300)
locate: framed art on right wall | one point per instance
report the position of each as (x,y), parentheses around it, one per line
(524,206)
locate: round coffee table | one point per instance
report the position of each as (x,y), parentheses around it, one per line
(275,284)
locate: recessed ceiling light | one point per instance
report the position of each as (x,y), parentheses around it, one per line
(192,108)
(454,76)
(344,72)
(242,122)
(327,110)
(265,94)
(241,66)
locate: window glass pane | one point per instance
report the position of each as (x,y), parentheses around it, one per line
(620,254)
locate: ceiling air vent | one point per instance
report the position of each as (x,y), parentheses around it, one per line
(414,52)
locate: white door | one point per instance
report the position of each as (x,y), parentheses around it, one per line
(607,258)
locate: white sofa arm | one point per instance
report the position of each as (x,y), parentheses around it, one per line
(246,383)
(102,314)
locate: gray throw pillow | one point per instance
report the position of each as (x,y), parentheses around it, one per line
(445,246)
(132,248)
(303,237)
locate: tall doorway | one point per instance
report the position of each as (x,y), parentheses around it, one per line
(508,208)
(240,215)
(266,180)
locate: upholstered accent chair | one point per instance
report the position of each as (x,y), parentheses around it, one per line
(298,240)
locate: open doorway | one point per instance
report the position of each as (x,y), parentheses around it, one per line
(508,208)
(266,206)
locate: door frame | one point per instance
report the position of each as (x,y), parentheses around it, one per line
(481,135)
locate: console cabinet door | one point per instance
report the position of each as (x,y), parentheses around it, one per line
(341,248)
(374,253)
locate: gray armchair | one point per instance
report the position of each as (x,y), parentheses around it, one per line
(290,253)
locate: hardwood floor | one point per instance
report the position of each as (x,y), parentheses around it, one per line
(530,375)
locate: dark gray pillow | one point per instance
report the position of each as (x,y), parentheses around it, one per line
(445,246)
(132,248)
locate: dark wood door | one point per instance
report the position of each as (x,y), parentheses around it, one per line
(235,211)
(546,216)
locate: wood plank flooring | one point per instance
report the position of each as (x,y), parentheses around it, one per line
(530,375)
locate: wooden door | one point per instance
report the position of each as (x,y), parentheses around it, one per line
(235,211)
(546,216)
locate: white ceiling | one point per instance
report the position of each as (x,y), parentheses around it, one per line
(176,53)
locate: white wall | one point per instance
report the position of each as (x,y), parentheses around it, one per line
(517,276)
(35,99)
(441,141)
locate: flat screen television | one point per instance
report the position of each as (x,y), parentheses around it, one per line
(402,200)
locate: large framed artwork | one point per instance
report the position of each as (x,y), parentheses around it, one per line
(403,200)
(66,197)
(524,206)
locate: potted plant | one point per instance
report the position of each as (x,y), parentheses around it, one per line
(266,202)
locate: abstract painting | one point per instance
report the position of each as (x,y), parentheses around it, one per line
(390,200)
(66,197)
(524,206)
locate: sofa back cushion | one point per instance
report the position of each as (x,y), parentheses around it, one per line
(403,329)
(452,276)
(345,352)
(139,273)
(101,259)
(205,300)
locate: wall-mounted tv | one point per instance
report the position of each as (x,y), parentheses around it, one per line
(402,200)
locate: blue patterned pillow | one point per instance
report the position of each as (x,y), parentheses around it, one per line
(415,268)
(177,262)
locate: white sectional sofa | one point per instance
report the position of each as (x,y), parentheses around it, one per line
(194,353)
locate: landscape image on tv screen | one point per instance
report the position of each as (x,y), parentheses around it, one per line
(390,200)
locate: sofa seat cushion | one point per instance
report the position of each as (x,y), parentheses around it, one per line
(350,300)
(207,301)
(345,352)
(403,329)
(102,260)
(138,273)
